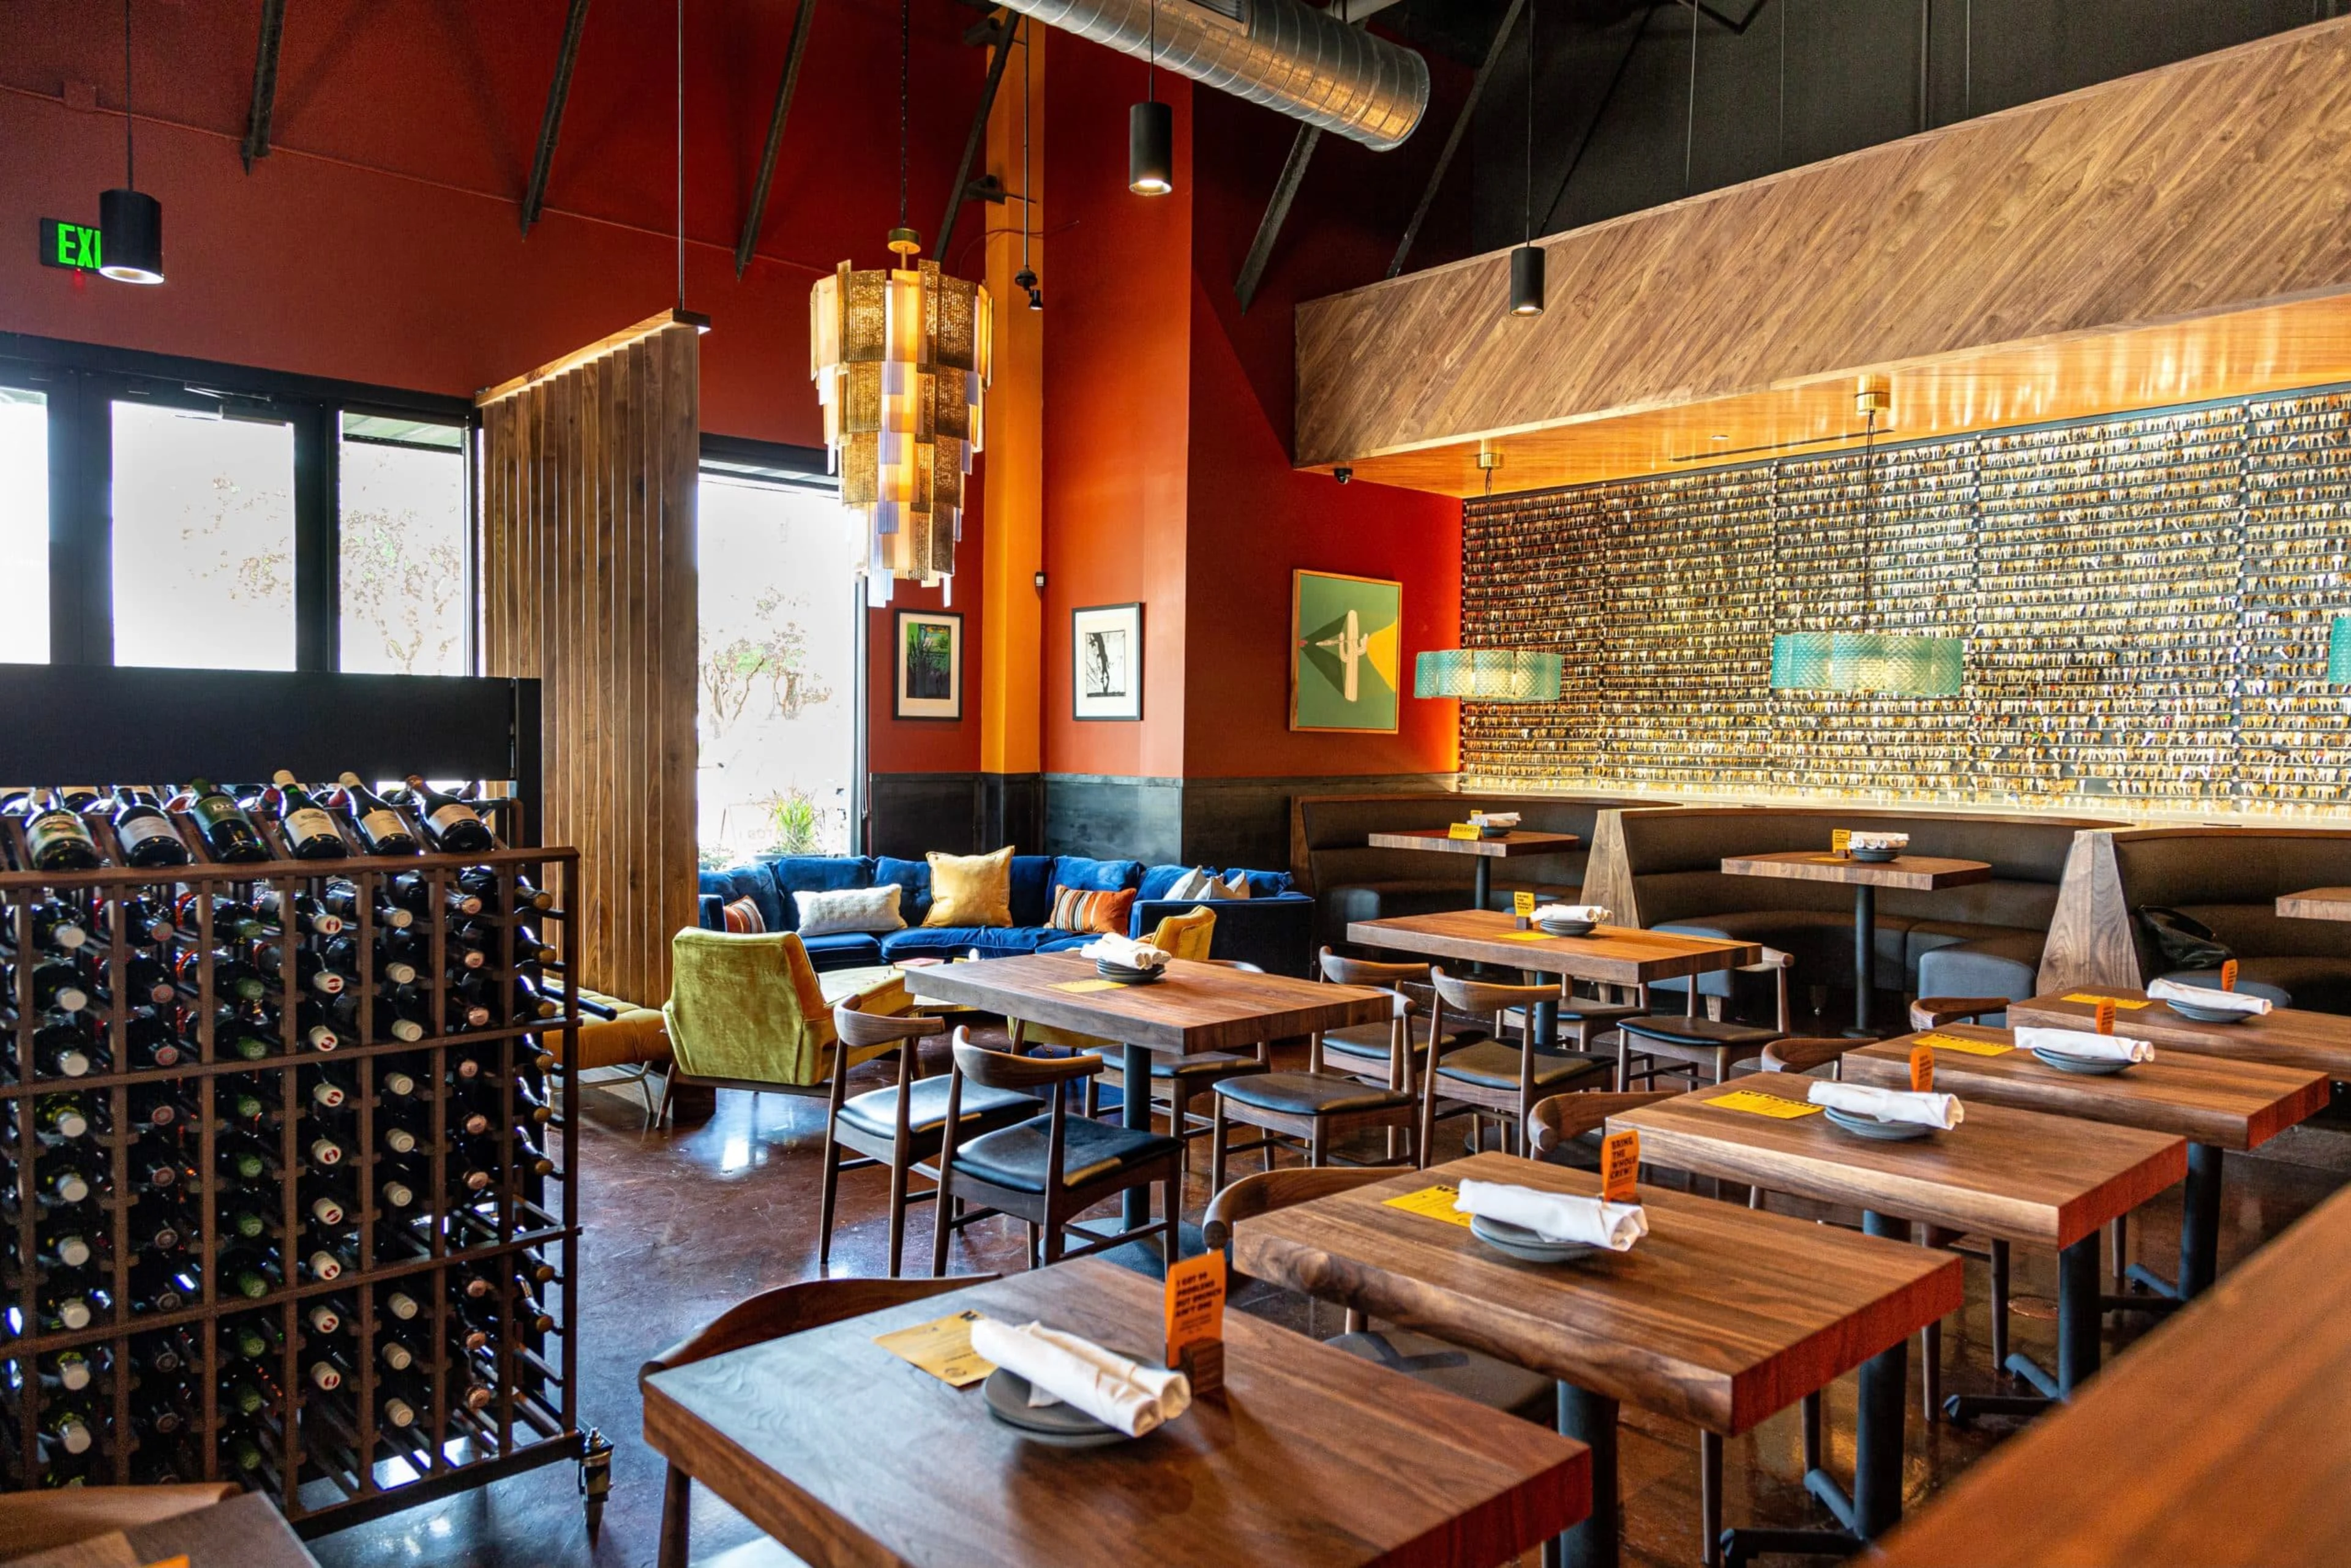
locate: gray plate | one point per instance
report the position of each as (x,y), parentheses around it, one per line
(2088,1067)
(1124,975)
(1871,1127)
(1874,857)
(1523,1243)
(1565,927)
(2206,1014)
(1065,1426)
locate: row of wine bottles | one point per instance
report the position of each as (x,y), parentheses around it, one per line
(314,823)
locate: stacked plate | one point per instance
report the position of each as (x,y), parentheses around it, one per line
(1527,1245)
(1565,927)
(2088,1066)
(1878,854)
(2207,1015)
(1871,1127)
(1124,975)
(1064,1426)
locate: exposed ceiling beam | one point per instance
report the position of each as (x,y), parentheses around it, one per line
(1453,137)
(551,122)
(1277,211)
(775,136)
(960,192)
(265,81)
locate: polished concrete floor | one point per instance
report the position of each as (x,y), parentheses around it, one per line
(680,1224)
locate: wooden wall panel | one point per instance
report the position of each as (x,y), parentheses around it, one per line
(2181,195)
(588,563)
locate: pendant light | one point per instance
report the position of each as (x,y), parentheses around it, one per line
(130,221)
(1527,260)
(1151,130)
(1489,674)
(1893,663)
(2338,651)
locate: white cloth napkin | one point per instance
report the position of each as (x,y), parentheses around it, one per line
(1860,840)
(1888,1104)
(1556,1216)
(2210,997)
(1126,951)
(2087,1045)
(1595,913)
(1495,819)
(1061,1367)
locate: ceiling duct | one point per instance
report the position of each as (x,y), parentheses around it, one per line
(1284,54)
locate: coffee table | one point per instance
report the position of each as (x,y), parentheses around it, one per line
(1918,874)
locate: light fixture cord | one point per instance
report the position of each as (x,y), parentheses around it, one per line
(1689,135)
(1150,57)
(1527,190)
(129,121)
(681,154)
(906,33)
(1868,519)
(1025,216)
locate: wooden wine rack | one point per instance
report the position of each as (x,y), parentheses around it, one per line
(323,1476)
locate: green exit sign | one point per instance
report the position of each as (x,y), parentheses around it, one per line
(70,245)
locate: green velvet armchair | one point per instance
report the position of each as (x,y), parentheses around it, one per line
(749,1012)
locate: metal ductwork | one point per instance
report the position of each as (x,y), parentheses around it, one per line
(1286,55)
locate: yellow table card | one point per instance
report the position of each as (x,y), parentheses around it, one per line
(1463,831)
(2128,1004)
(941,1348)
(1762,1105)
(1965,1046)
(1522,904)
(1840,841)
(1435,1202)
(1084,986)
(1524,937)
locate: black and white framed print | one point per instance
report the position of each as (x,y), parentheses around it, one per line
(1106,646)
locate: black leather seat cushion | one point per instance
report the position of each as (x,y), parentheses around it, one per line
(1310,1094)
(1370,1041)
(1204,1064)
(1704,1033)
(2312,984)
(1472,1375)
(1494,1065)
(1015,1157)
(982,1110)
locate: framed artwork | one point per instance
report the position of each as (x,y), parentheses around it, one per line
(1106,654)
(930,665)
(1343,638)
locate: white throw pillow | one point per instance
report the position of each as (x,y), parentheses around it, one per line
(1193,883)
(849,909)
(1236,888)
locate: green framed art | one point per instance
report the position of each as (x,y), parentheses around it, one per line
(1346,635)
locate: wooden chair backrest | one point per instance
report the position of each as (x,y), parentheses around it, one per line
(860,1030)
(1002,1070)
(1803,1055)
(1563,1118)
(796,1308)
(1268,1190)
(1348,971)
(1934,1012)
(1483,998)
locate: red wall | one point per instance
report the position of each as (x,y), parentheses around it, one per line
(927,745)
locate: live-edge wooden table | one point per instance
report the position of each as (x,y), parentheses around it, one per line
(2015,1175)
(1437,841)
(1196,1008)
(848,1456)
(1720,1317)
(1919,873)
(2215,1104)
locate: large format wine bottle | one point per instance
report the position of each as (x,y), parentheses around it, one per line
(380,827)
(228,833)
(145,830)
(57,838)
(451,826)
(309,828)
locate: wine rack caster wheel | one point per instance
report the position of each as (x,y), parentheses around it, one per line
(595,1479)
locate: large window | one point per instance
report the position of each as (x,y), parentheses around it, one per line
(24,526)
(203,539)
(401,554)
(778,667)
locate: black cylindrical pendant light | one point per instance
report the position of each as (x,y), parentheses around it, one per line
(1151,130)
(1526,260)
(1527,280)
(130,242)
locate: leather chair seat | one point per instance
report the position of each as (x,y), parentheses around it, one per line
(982,1110)
(2312,984)
(1310,1093)
(1204,1064)
(1472,1375)
(1015,1157)
(1494,1065)
(1370,1041)
(1706,1034)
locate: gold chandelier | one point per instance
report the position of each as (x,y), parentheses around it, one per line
(901,362)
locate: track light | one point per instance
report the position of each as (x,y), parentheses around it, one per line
(1527,280)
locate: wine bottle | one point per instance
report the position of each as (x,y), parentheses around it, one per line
(400,1014)
(327,1204)
(231,975)
(65,1046)
(244,1103)
(341,899)
(71,1370)
(328,1088)
(240,1396)
(325,1148)
(414,891)
(486,883)
(401,1306)
(397,955)
(62,1179)
(67,1426)
(57,926)
(250,1272)
(311,970)
(164,1352)
(241,1034)
(245,1157)
(227,832)
(145,981)
(144,921)
(67,1235)
(158,1106)
(471,943)
(399,1183)
(314,1024)
(308,827)
(401,1402)
(145,830)
(71,1301)
(395,1077)
(58,985)
(62,1117)
(154,1040)
(161,1223)
(57,838)
(302,913)
(232,919)
(161,1286)
(245,1211)
(529,949)
(254,1339)
(400,1135)
(157,1160)
(324,1315)
(451,826)
(382,829)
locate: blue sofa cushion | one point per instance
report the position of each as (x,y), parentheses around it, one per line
(1261,883)
(754,883)
(1032,889)
(953,941)
(914,880)
(1158,879)
(1094,876)
(843,950)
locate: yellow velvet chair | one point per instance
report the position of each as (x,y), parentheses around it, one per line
(749,1012)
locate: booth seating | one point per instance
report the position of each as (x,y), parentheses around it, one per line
(2227,879)
(1351,881)
(1663,869)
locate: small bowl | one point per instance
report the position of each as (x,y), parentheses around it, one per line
(1566,927)
(1874,856)
(1126,977)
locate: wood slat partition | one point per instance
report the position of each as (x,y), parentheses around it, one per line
(588,583)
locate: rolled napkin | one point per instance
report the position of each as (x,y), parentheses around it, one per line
(2210,997)
(1888,1104)
(1859,840)
(1125,951)
(1495,819)
(1595,913)
(1556,1216)
(1063,1368)
(2083,1044)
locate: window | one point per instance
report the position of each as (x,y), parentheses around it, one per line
(779,662)
(24,527)
(203,539)
(400,546)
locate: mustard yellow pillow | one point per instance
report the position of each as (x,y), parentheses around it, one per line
(971,890)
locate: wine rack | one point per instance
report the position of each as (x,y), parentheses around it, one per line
(486,1269)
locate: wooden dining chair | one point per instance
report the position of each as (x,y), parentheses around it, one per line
(1363,1051)
(1934,1012)
(1566,1129)
(1051,1168)
(1470,1374)
(1682,1045)
(1177,1081)
(1494,1075)
(898,1127)
(773,1315)
(1317,1105)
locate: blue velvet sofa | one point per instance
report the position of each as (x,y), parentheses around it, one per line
(1273,928)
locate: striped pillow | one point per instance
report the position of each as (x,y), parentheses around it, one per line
(1099,910)
(743,919)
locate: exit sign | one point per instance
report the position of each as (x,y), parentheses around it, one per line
(72,245)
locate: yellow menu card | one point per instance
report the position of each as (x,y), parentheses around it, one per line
(1965,1046)
(1435,1202)
(1084,986)
(941,1348)
(2128,1004)
(1762,1105)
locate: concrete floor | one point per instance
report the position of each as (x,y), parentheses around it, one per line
(682,1224)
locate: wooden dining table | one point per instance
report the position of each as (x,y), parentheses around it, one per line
(2215,1103)
(2316,904)
(1918,873)
(1720,1316)
(2219,1442)
(2013,1175)
(1194,1007)
(1487,851)
(1309,1456)
(2284,1037)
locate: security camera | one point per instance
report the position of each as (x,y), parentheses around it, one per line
(1342,474)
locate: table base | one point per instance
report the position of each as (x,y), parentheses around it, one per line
(1591,1419)
(2079,1308)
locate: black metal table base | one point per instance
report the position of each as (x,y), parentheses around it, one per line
(1864,959)
(1591,1419)
(2079,1308)
(2199,1242)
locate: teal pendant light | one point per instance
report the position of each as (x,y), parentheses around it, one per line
(2338,651)
(1489,674)
(1890,662)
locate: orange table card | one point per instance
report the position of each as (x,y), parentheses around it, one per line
(1196,1320)
(1922,1068)
(1841,841)
(941,1348)
(2229,974)
(1620,1167)
(2104,1015)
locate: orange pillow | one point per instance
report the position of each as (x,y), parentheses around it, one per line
(1106,912)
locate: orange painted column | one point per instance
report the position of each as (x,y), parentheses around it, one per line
(1013,498)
